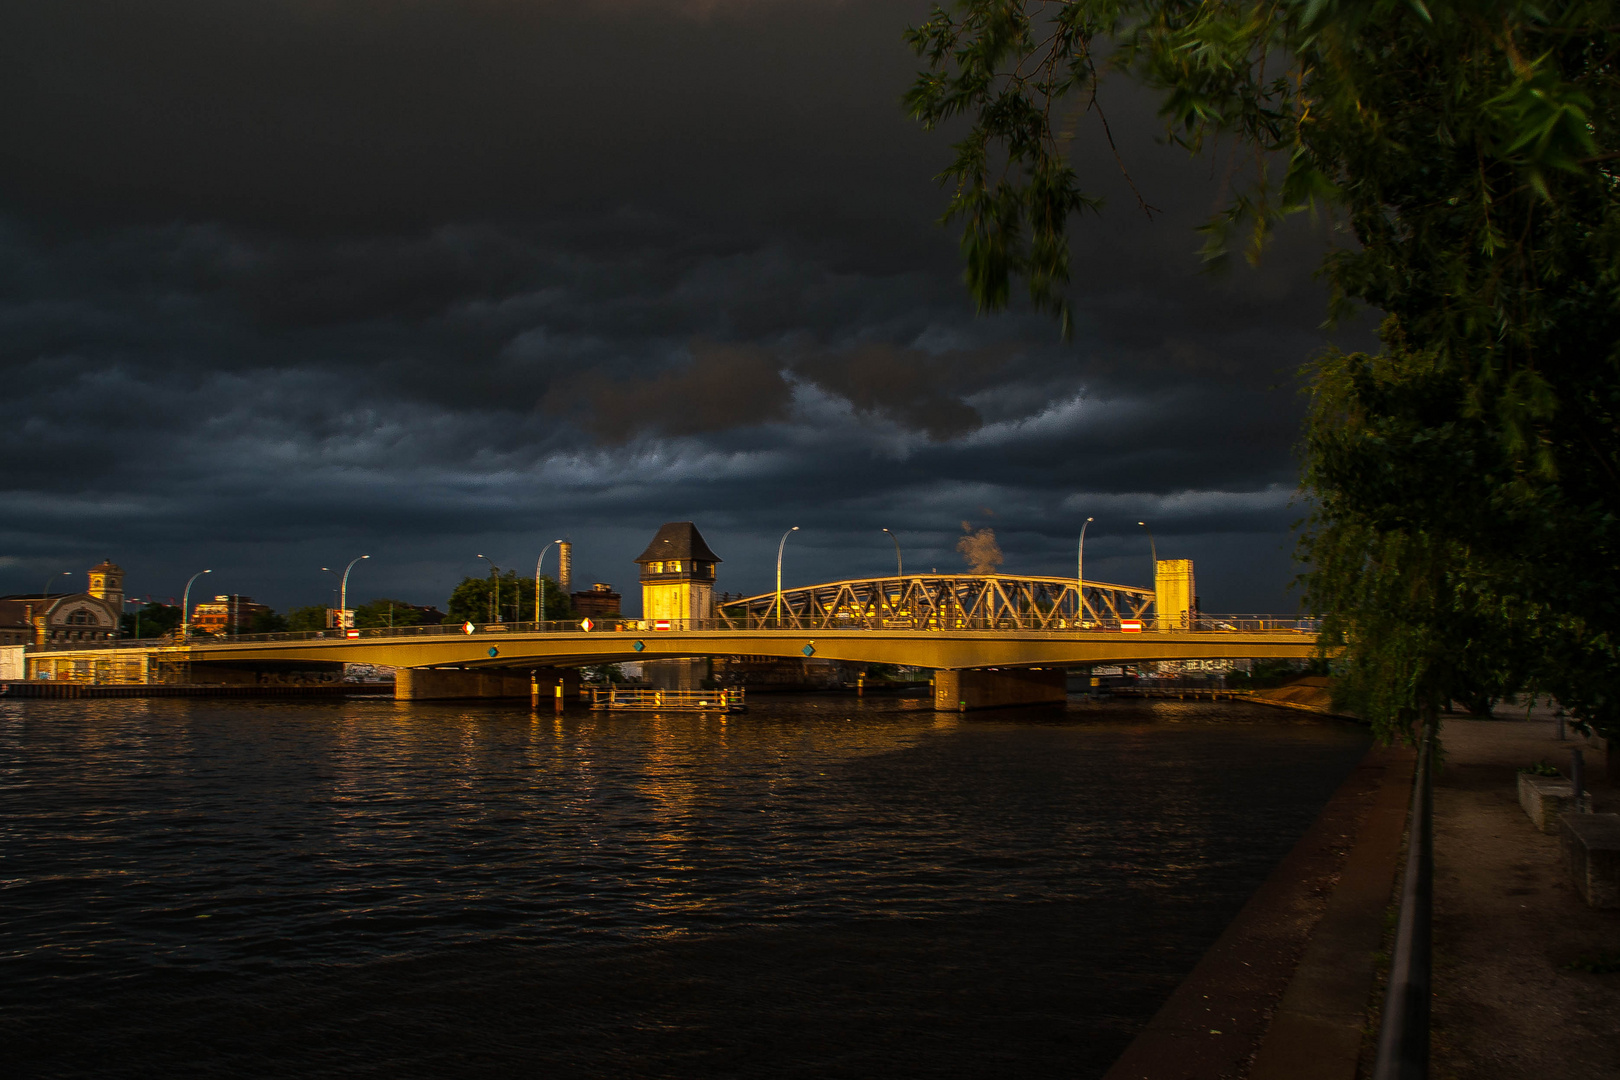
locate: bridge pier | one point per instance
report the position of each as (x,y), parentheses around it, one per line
(999,688)
(439,684)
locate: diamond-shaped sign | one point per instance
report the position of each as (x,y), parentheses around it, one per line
(467,628)
(809,650)
(493,651)
(586,625)
(638,646)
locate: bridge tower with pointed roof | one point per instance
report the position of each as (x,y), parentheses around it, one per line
(677,574)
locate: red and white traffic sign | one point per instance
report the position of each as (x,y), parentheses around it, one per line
(586,625)
(1130,626)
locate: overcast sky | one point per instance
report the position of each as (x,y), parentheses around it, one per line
(283,282)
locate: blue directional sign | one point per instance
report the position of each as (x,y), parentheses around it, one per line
(493,651)
(809,650)
(638,646)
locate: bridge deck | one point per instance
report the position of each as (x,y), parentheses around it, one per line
(501,646)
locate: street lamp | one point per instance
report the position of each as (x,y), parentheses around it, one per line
(343,590)
(779,548)
(333,596)
(1080,574)
(137,604)
(539,590)
(495,573)
(1153,547)
(899,571)
(45,593)
(185,606)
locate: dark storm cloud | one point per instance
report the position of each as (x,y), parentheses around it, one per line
(724,386)
(913,388)
(427,277)
(373,114)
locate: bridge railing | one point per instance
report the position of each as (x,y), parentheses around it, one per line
(1211,624)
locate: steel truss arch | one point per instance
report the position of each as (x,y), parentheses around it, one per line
(943,602)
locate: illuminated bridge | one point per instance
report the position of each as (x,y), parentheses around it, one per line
(992,639)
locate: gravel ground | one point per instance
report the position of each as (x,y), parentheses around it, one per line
(1508,923)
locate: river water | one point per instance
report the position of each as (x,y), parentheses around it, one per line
(822,887)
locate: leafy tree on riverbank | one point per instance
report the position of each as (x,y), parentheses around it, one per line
(267,622)
(154,620)
(312,617)
(474,600)
(387,612)
(1465,532)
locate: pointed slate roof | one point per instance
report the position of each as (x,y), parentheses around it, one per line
(677,540)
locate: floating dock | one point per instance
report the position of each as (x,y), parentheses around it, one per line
(647,699)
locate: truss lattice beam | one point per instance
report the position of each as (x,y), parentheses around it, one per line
(941,602)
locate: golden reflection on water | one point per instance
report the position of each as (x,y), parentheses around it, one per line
(625,894)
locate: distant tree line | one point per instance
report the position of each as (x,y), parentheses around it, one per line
(473,600)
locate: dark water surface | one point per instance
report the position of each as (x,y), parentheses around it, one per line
(823,887)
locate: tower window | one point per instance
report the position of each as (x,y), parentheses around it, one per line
(675,566)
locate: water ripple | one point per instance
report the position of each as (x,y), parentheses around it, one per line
(822,887)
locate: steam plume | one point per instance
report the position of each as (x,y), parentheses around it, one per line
(980,549)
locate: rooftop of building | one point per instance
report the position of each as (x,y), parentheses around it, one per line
(678,540)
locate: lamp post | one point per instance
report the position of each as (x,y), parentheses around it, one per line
(539,590)
(45,593)
(779,548)
(494,573)
(343,590)
(185,606)
(1154,548)
(1080,575)
(137,604)
(899,570)
(339,577)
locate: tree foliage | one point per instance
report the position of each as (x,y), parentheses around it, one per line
(474,600)
(1463,538)
(152,620)
(266,622)
(312,617)
(386,612)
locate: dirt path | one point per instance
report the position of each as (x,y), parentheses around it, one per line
(1508,923)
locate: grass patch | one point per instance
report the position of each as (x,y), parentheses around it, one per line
(1598,963)
(1541,768)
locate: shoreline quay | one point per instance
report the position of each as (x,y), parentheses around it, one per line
(1284,991)
(49,689)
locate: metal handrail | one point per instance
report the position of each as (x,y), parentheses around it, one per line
(1214,624)
(1403,1034)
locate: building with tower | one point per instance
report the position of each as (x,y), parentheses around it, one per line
(677,584)
(37,618)
(677,574)
(597,602)
(107,583)
(229,614)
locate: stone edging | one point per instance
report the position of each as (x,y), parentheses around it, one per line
(1283,992)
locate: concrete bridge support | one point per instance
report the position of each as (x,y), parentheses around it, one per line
(999,688)
(437,684)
